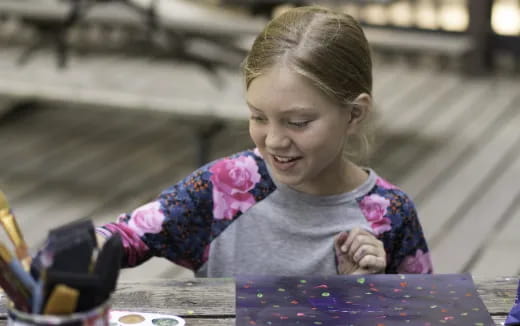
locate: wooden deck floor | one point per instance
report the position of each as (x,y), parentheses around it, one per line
(451,142)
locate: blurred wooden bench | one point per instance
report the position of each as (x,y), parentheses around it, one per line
(184,91)
(123,82)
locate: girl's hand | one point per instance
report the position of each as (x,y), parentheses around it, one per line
(359,252)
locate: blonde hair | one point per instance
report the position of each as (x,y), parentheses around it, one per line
(327,47)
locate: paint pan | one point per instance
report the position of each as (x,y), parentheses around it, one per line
(129,318)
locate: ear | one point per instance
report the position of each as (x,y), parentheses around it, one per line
(359,111)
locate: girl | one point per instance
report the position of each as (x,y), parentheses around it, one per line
(294,205)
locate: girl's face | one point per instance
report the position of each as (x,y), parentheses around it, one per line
(299,131)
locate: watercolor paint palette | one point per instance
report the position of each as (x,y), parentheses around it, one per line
(132,318)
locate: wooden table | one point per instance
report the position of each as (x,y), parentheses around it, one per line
(212,301)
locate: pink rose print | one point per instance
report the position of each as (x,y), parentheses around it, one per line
(374,208)
(385,184)
(146,219)
(232,179)
(419,264)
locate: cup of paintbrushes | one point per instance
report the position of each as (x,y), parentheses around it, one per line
(98,316)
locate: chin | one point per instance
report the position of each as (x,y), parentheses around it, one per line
(289,181)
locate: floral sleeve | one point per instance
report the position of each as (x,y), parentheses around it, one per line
(394,220)
(185,218)
(178,225)
(410,254)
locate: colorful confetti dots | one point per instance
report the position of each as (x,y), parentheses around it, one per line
(321,286)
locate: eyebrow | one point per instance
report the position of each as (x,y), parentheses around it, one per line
(292,109)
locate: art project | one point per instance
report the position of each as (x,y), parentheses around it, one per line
(375,300)
(513,319)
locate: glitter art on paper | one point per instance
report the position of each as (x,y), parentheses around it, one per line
(375,300)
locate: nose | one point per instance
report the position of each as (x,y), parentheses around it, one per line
(276,138)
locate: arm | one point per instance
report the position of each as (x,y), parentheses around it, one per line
(177,225)
(407,248)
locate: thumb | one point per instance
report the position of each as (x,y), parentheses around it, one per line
(340,241)
(345,265)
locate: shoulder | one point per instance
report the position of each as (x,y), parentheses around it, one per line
(245,171)
(387,206)
(243,174)
(384,191)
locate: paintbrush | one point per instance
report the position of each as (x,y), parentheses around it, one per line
(16,292)
(62,301)
(12,229)
(16,268)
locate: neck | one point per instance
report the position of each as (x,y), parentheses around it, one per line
(352,178)
(349,178)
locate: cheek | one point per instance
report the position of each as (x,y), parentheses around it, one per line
(322,140)
(256,135)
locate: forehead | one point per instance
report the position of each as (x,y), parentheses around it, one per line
(281,88)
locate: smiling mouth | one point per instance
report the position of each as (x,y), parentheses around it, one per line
(281,159)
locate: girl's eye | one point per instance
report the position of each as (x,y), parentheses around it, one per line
(258,118)
(298,124)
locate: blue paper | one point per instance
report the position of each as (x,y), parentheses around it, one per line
(370,300)
(514,316)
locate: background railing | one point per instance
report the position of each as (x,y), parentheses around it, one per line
(476,29)
(491,26)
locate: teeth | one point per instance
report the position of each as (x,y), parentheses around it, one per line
(283,159)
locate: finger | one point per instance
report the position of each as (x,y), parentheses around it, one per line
(339,242)
(374,264)
(352,235)
(360,240)
(364,250)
